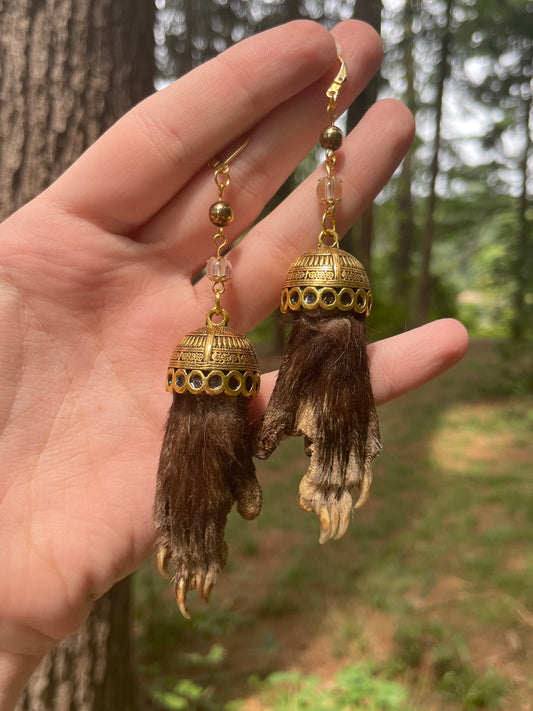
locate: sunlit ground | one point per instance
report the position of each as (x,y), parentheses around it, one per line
(426,603)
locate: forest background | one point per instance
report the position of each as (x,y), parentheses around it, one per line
(452,232)
(430,605)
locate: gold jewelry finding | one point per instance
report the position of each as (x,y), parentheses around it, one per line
(328,277)
(323,390)
(214,359)
(206,462)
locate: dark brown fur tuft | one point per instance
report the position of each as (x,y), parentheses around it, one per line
(205,466)
(323,391)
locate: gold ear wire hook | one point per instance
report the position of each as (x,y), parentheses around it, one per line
(334,89)
(216,164)
(339,80)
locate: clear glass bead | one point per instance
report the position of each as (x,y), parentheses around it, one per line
(219,269)
(329,190)
(196,382)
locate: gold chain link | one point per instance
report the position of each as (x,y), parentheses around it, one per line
(329,225)
(222,181)
(331,161)
(220,241)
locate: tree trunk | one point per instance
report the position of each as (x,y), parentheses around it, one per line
(428,236)
(70,68)
(292,8)
(406,223)
(92,670)
(187,61)
(523,257)
(360,238)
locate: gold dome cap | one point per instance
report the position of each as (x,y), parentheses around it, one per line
(214,359)
(327,278)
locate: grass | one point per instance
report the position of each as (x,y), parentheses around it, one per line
(427,600)
(354,686)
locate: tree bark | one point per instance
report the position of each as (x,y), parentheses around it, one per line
(70,68)
(428,236)
(92,670)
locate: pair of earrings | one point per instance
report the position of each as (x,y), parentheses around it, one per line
(323,392)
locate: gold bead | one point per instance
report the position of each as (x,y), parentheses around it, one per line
(331,138)
(220,213)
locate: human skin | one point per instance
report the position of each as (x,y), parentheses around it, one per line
(96,289)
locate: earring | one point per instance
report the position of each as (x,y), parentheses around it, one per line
(323,389)
(206,461)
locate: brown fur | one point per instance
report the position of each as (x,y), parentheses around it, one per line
(323,391)
(205,466)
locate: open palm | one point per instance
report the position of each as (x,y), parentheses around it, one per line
(96,288)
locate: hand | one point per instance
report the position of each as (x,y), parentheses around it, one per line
(95,291)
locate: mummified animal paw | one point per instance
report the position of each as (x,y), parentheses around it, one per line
(205,468)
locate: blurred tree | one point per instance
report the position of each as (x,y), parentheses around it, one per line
(69,70)
(442,37)
(499,73)
(190,32)
(368,11)
(402,262)
(417,65)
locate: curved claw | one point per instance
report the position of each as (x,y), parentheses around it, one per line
(334,521)
(364,491)
(325,524)
(163,559)
(181,598)
(344,522)
(205,591)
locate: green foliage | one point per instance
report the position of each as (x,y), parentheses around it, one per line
(192,695)
(264,333)
(444,652)
(426,643)
(186,696)
(473,691)
(354,686)
(515,376)
(277,603)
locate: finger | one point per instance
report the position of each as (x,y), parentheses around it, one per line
(370,155)
(277,146)
(145,158)
(401,363)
